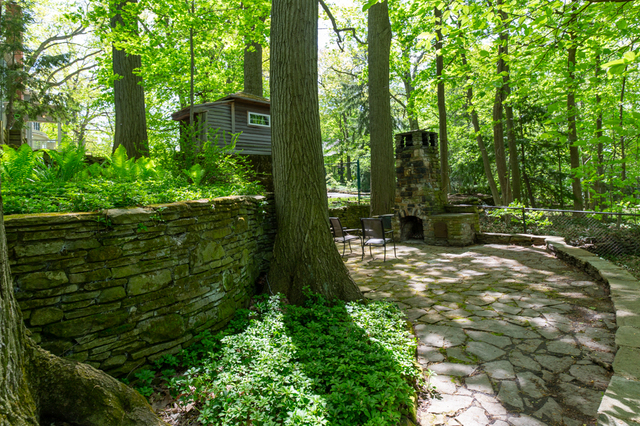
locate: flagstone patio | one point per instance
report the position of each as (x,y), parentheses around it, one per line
(514,335)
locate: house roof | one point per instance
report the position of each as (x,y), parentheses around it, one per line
(239,96)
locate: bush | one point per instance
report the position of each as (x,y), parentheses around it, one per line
(323,363)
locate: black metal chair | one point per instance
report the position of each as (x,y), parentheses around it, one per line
(341,235)
(374,234)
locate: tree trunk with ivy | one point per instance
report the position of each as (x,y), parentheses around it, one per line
(304,253)
(37,387)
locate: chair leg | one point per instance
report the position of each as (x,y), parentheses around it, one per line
(362,250)
(385,253)
(350,250)
(394,250)
(371,253)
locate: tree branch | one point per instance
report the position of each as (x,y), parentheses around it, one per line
(46,44)
(339,30)
(76,72)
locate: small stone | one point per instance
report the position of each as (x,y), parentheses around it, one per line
(458,354)
(532,385)
(46,316)
(414,314)
(509,394)
(525,420)
(591,375)
(473,416)
(581,399)
(431,317)
(491,405)
(440,336)
(429,354)
(449,405)
(452,369)
(479,383)
(529,345)
(553,363)
(484,351)
(519,359)
(499,370)
(563,347)
(551,410)
(499,341)
(502,308)
(443,384)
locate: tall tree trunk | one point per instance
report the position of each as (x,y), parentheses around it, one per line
(407,80)
(382,160)
(498,126)
(508,110)
(623,175)
(37,387)
(304,254)
(600,187)
(128,93)
(253,69)
(572,136)
(486,162)
(442,107)
(498,143)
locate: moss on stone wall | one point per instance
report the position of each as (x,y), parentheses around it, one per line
(119,288)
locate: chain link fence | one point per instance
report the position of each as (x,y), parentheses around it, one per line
(606,234)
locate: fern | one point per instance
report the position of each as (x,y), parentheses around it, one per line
(68,161)
(20,165)
(124,169)
(195,173)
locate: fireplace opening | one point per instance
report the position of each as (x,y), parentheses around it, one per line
(411,228)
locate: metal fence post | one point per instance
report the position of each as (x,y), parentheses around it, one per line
(524,220)
(358,174)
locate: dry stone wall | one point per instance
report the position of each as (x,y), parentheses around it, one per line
(119,289)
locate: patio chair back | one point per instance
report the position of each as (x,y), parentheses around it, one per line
(372,228)
(336,227)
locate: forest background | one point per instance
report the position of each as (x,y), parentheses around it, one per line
(538,100)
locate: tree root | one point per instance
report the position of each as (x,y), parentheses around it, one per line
(82,395)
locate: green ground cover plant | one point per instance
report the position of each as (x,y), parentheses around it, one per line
(324,363)
(62,181)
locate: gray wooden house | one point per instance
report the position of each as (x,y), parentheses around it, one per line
(240,112)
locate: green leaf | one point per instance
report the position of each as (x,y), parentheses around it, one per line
(368,5)
(629,56)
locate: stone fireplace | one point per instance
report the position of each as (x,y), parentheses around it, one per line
(421,210)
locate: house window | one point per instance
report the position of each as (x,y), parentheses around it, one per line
(36,125)
(256,119)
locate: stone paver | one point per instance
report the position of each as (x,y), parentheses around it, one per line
(515,336)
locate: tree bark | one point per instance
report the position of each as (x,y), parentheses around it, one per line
(599,186)
(486,162)
(382,160)
(516,184)
(128,93)
(407,80)
(253,69)
(304,253)
(572,134)
(37,387)
(498,126)
(623,160)
(498,143)
(442,107)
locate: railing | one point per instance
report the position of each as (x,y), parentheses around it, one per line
(602,233)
